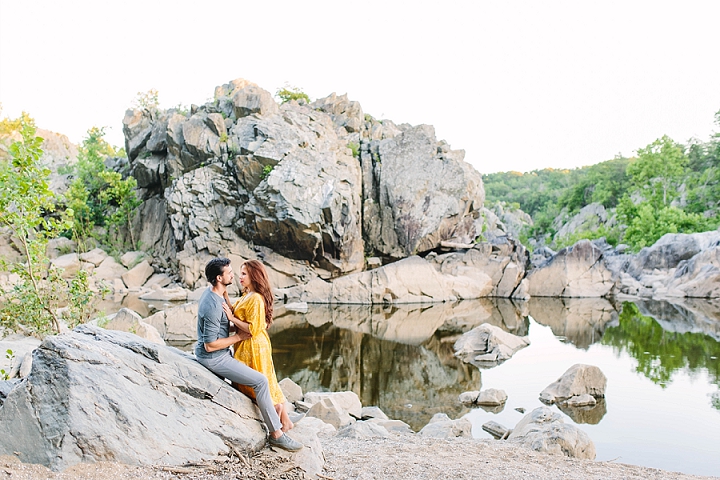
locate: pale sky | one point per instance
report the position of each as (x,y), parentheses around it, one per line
(519,85)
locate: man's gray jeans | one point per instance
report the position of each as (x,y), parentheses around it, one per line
(227,367)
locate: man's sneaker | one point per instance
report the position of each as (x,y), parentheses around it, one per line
(295,417)
(286,443)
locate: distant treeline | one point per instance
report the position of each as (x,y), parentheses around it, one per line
(667,188)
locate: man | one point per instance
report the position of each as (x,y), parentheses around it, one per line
(212,350)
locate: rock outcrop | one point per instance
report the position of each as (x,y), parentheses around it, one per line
(96,395)
(577,271)
(487,269)
(589,218)
(417,192)
(678,265)
(320,183)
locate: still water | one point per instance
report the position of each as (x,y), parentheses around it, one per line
(662,405)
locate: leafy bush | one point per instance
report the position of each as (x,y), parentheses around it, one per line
(266,171)
(288,93)
(27,208)
(100,197)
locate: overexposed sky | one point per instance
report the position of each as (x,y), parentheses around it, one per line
(519,85)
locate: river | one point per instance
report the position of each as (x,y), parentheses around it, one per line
(662,404)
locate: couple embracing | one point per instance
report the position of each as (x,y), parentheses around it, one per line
(251,368)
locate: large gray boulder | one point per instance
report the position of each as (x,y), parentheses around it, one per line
(577,380)
(127,320)
(176,324)
(442,426)
(308,206)
(577,271)
(503,259)
(96,395)
(545,431)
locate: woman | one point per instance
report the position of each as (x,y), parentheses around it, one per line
(255,307)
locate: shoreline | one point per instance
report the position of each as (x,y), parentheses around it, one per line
(402,456)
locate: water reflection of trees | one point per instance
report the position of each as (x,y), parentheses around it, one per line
(659,351)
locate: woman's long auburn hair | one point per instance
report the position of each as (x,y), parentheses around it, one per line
(261,283)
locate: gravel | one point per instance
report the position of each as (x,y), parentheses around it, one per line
(399,457)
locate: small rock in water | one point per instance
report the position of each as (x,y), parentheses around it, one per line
(492,397)
(520,409)
(495,429)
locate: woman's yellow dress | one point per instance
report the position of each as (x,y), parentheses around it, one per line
(256,352)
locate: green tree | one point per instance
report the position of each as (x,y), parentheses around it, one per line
(645,224)
(98,196)
(121,202)
(27,207)
(656,176)
(658,170)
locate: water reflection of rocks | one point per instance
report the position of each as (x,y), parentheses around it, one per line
(580,321)
(398,357)
(589,414)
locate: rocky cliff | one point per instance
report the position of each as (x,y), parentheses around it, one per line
(321,184)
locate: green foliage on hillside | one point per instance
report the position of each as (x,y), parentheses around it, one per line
(667,188)
(27,209)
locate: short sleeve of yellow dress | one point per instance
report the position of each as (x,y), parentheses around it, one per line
(256,352)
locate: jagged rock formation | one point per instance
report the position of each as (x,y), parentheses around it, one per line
(318,183)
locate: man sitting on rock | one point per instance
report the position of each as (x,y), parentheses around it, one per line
(212,350)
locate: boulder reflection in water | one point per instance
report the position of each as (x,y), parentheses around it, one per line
(581,321)
(391,356)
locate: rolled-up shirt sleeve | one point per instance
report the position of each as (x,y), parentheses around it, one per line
(210,328)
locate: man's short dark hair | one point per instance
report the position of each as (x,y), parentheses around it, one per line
(214,268)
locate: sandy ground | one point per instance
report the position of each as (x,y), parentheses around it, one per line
(400,457)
